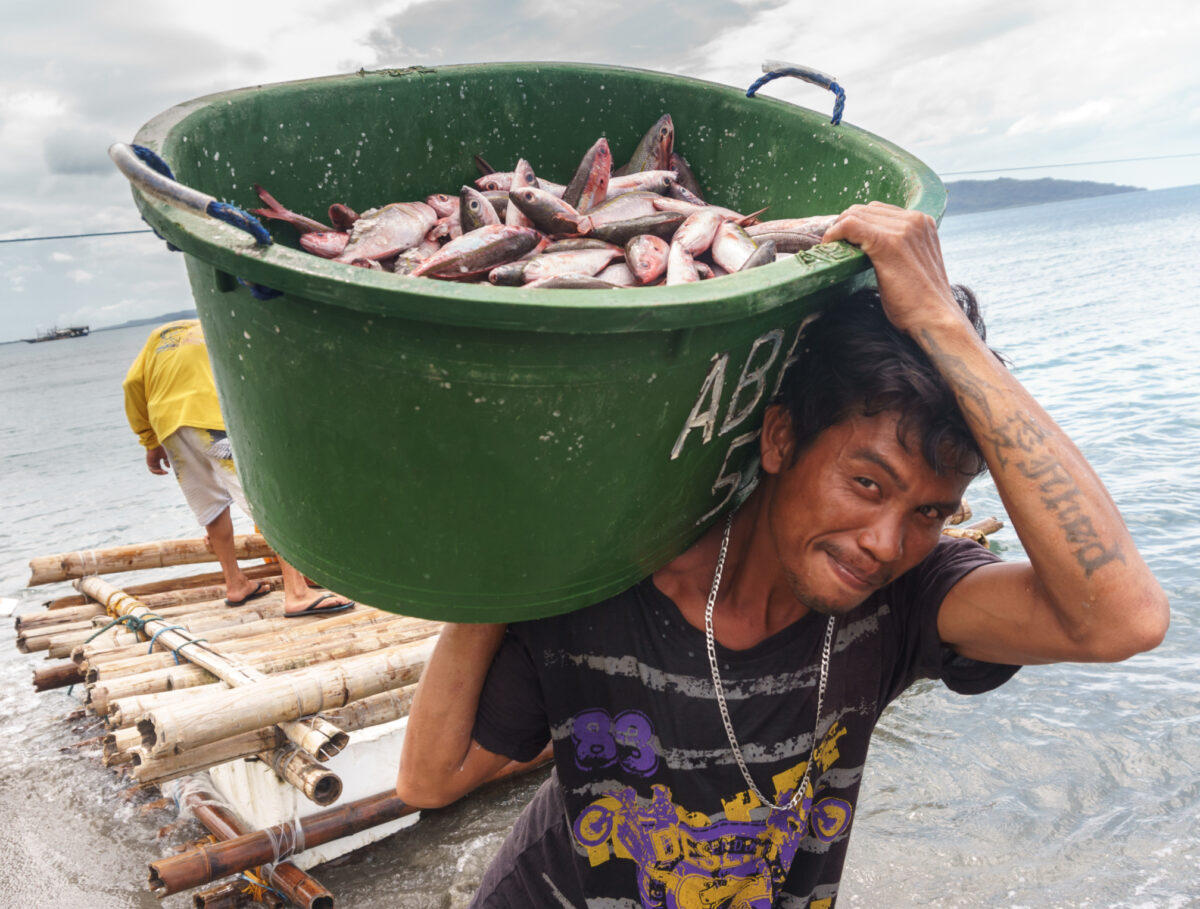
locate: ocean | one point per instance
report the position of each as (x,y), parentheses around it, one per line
(1071,786)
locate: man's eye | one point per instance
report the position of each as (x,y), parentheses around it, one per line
(932,512)
(865,482)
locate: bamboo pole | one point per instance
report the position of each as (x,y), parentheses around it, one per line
(286,656)
(147,769)
(316,736)
(978,531)
(210,862)
(400,628)
(59,675)
(215,715)
(318,783)
(219,818)
(207,579)
(164,553)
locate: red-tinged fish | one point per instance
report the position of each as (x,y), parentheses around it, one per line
(328,244)
(681,267)
(573,282)
(817,224)
(370,264)
(653,181)
(523,179)
(503,182)
(479,252)
(660,224)
(706,271)
(589,187)
(411,258)
(579,261)
(666,203)
(653,152)
(386,231)
(698,229)
(764,255)
(447,228)
(619,274)
(443,203)
(790,242)
(475,210)
(623,207)
(732,246)
(342,216)
(510,274)
(686,180)
(484,167)
(548,213)
(646,256)
(277,212)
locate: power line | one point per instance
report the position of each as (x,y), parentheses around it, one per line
(1001,170)
(110,233)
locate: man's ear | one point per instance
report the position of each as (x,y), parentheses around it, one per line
(778,441)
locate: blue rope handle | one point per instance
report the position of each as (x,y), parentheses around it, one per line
(146,169)
(775,69)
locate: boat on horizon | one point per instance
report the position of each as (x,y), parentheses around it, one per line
(57,334)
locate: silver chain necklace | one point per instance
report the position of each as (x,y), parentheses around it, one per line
(710,640)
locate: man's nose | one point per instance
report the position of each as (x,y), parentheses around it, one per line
(883,538)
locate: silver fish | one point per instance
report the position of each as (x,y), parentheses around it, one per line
(389,230)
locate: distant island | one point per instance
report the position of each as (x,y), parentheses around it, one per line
(967,196)
(152,320)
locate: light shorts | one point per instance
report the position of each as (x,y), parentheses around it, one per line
(203,465)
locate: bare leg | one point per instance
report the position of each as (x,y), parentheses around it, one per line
(297,597)
(220,537)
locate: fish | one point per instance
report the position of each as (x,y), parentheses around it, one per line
(698,229)
(504,182)
(618,273)
(764,255)
(275,211)
(790,242)
(475,210)
(654,181)
(660,224)
(732,246)
(478,252)
(549,213)
(646,256)
(589,187)
(443,203)
(573,243)
(685,179)
(653,152)
(578,261)
(668,203)
(328,244)
(342,217)
(386,231)
(523,178)
(816,224)
(411,258)
(573,282)
(681,267)
(623,207)
(510,274)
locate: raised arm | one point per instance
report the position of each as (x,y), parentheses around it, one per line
(1085,594)
(440,762)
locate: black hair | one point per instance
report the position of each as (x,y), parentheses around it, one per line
(852,360)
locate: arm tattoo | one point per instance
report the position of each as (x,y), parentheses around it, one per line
(1019,440)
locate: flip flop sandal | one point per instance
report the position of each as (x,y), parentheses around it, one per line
(263,588)
(314,608)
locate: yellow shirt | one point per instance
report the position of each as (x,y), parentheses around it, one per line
(170,384)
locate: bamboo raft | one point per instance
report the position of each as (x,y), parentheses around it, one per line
(280,736)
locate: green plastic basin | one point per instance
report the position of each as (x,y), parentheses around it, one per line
(479,453)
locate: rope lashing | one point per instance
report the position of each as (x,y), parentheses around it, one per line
(774,69)
(160,631)
(175,650)
(134,623)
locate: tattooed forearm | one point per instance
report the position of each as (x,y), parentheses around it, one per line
(1019,441)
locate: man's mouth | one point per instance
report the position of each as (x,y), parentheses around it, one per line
(855,575)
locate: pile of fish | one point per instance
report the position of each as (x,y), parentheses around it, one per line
(643,224)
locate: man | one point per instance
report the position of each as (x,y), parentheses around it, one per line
(710,725)
(171,403)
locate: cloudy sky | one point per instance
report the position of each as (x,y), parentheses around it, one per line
(965,85)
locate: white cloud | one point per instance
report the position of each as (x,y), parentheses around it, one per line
(79,276)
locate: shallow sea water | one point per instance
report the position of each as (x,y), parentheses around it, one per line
(1072,786)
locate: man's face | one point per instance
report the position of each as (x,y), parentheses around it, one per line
(855,511)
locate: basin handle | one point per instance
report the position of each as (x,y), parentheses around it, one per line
(773,69)
(149,172)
